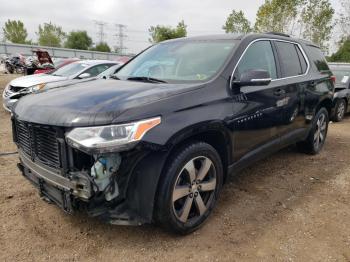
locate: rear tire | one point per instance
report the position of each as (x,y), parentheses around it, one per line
(189,188)
(318,133)
(339,111)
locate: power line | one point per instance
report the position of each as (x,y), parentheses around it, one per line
(100,32)
(121,36)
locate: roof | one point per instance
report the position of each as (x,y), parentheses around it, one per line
(270,35)
(207,37)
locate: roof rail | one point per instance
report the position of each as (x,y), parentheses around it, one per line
(276,33)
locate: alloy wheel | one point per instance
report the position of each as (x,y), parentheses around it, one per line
(341,111)
(194,189)
(320,132)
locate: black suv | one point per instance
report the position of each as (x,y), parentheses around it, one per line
(156,143)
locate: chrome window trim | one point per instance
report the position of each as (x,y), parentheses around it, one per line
(279,40)
(261,79)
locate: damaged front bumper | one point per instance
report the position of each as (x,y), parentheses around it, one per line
(72,193)
(51,185)
(118,187)
(133,206)
(75,184)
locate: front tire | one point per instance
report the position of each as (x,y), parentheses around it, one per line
(189,188)
(318,133)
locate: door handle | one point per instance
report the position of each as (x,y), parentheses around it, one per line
(279,92)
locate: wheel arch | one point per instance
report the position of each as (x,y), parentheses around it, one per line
(344,97)
(213,133)
(326,103)
(145,178)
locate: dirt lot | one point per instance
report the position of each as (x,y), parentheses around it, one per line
(289,207)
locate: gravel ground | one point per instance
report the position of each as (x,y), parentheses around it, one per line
(288,207)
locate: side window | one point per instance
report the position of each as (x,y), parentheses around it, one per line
(289,59)
(98,69)
(315,54)
(258,56)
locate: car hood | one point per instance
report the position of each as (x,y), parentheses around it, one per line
(91,103)
(67,82)
(31,80)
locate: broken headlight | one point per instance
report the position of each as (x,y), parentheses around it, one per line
(110,138)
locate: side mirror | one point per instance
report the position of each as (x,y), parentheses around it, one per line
(84,75)
(254,78)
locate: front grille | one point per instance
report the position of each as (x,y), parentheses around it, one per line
(23,137)
(15,88)
(39,142)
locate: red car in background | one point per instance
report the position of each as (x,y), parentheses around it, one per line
(57,64)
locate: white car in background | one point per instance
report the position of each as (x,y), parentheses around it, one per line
(75,72)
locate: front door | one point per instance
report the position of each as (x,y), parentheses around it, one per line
(257,109)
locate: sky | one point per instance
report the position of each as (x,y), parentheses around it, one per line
(201,16)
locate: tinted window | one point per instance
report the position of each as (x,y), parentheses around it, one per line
(258,56)
(289,59)
(316,56)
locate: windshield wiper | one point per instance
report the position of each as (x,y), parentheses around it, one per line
(146,79)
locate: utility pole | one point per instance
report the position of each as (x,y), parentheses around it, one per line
(100,33)
(121,36)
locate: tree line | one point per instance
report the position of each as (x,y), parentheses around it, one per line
(52,35)
(314,20)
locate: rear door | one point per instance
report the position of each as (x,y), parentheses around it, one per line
(258,112)
(321,86)
(293,83)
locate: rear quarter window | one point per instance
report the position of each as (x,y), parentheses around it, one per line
(317,58)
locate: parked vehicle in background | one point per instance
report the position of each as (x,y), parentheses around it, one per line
(122,59)
(103,75)
(58,63)
(15,64)
(40,60)
(341,101)
(69,74)
(110,71)
(156,142)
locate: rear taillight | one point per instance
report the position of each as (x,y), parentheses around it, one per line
(333,79)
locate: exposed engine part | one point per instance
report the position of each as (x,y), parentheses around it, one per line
(82,183)
(103,173)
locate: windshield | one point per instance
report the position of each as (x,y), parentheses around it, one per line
(69,70)
(342,76)
(180,61)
